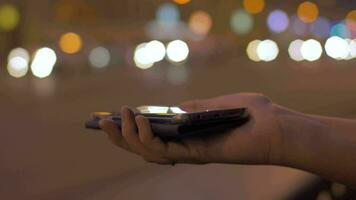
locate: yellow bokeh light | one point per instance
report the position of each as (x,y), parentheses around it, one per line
(200,22)
(181,2)
(351,20)
(70,43)
(252,50)
(254,6)
(308,12)
(9,17)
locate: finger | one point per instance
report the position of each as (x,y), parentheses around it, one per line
(129,132)
(147,137)
(114,133)
(168,152)
(134,110)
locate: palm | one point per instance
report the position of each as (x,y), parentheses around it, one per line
(249,144)
(239,145)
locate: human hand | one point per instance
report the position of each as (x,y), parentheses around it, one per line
(256,142)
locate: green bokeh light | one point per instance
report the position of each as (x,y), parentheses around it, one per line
(241,22)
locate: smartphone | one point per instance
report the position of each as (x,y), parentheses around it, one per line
(174,123)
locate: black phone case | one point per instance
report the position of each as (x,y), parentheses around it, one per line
(186,125)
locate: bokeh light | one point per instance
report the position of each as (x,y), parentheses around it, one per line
(147,54)
(351,21)
(337,48)
(177,51)
(320,27)
(278,21)
(99,57)
(254,6)
(241,22)
(168,14)
(9,17)
(267,50)
(311,50)
(351,50)
(156,50)
(19,52)
(341,30)
(352,45)
(308,12)
(70,43)
(252,50)
(294,50)
(141,57)
(17,67)
(18,61)
(182,2)
(43,62)
(200,22)
(298,27)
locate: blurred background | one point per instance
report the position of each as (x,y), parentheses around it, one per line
(62,59)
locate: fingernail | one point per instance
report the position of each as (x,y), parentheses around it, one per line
(125,110)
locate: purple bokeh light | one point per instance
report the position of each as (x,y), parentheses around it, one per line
(278,21)
(298,27)
(321,27)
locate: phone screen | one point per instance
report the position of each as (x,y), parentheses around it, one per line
(160,110)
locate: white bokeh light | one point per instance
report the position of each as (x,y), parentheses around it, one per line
(267,50)
(142,58)
(294,50)
(17,67)
(337,48)
(351,49)
(311,50)
(43,62)
(177,51)
(252,50)
(18,61)
(352,45)
(156,50)
(99,57)
(19,52)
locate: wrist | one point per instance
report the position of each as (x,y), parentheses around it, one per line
(299,132)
